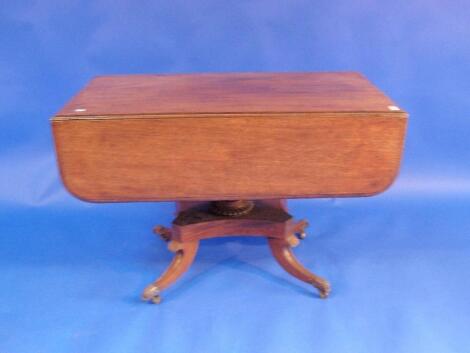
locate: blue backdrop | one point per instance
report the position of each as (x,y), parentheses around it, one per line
(71,273)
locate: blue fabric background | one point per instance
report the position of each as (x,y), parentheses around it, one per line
(71,273)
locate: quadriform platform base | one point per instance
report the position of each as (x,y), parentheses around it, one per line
(202,220)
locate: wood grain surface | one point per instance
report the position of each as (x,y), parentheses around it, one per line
(216,93)
(233,158)
(228,136)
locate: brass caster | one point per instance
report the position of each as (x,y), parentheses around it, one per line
(324,291)
(152,293)
(156,299)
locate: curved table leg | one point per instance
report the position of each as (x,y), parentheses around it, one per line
(184,256)
(282,251)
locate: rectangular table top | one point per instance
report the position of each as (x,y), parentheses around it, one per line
(228,136)
(227,93)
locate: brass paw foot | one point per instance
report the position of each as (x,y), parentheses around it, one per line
(152,293)
(163,232)
(324,289)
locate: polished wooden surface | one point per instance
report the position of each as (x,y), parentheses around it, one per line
(195,138)
(235,93)
(216,159)
(262,136)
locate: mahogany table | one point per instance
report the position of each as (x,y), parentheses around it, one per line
(229,149)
